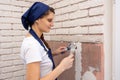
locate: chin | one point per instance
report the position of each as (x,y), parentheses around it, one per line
(47,31)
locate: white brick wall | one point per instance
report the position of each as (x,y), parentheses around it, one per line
(11,36)
(76,20)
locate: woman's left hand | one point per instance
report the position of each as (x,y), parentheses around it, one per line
(59,50)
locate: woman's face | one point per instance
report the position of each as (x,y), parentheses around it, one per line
(46,22)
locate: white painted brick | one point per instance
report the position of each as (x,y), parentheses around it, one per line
(4,2)
(5,51)
(10,8)
(10,44)
(10,20)
(47,37)
(78,14)
(62,17)
(52,31)
(6,13)
(6,63)
(19,73)
(88,21)
(21,3)
(7,69)
(90,3)
(12,68)
(49,2)
(76,1)
(80,38)
(70,8)
(11,32)
(10,57)
(56,37)
(5,39)
(17,62)
(17,38)
(57,24)
(16,50)
(69,24)
(17,26)
(5,7)
(95,29)
(16,14)
(78,30)
(61,31)
(18,78)
(62,3)
(6,45)
(5,75)
(58,11)
(96,11)
(5,26)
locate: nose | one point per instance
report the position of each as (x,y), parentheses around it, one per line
(52,24)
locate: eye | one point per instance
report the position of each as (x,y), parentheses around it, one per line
(49,20)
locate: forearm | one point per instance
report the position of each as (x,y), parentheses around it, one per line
(54,74)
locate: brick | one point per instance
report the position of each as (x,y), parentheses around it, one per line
(17,27)
(6,13)
(18,62)
(9,20)
(47,37)
(5,75)
(19,73)
(4,2)
(78,30)
(51,31)
(62,17)
(6,63)
(57,24)
(79,14)
(11,32)
(5,26)
(49,2)
(10,45)
(96,11)
(12,68)
(5,51)
(76,1)
(95,29)
(5,39)
(16,50)
(88,21)
(61,31)
(62,3)
(10,57)
(90,4)
(7,69)
(70,8)
(6,45)
(24,3)
(16,14)
(10,8)
(18,38)
(80,38)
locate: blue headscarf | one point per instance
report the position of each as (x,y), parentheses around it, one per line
(33,13)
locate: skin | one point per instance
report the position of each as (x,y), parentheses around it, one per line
(33,69)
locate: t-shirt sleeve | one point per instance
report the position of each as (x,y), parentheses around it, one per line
(33,53)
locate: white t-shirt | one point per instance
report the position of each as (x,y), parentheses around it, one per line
(32,51)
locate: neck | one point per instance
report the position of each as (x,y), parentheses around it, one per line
(37,31)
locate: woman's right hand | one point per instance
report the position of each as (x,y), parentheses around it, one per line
(67,62)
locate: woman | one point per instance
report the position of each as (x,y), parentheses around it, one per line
(35,51)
